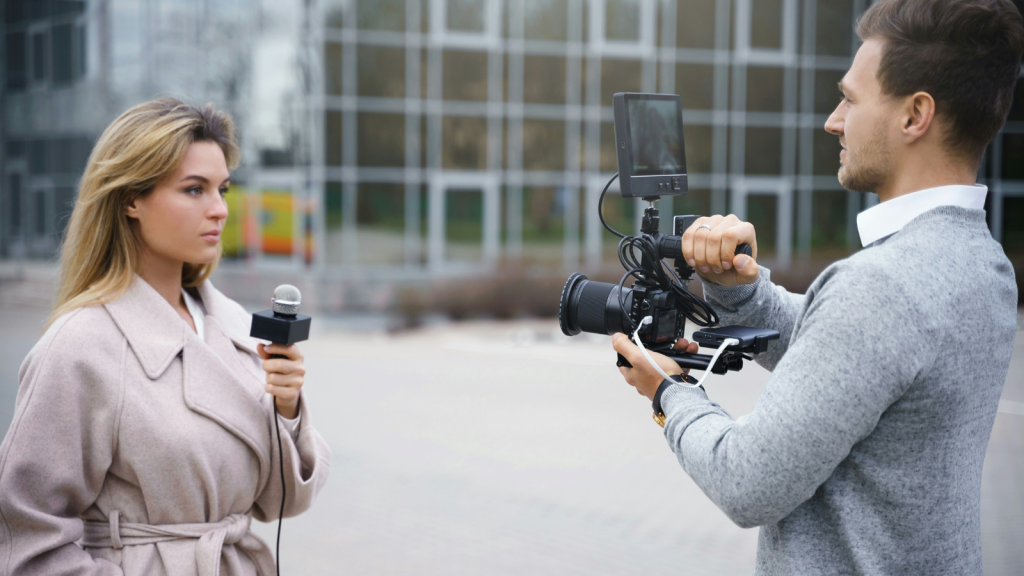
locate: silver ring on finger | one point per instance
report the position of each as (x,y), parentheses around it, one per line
(704,226)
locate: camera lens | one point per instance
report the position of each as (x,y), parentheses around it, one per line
(588,306)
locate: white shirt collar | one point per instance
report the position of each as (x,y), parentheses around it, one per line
(198,313)
(890,216)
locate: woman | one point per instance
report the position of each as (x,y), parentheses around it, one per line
(143,435)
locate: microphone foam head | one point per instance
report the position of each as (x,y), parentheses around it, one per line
(286,300)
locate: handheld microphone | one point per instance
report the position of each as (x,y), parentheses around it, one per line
(281,325)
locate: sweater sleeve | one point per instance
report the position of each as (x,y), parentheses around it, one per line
(56,454)
(857,348)
(307,463)
(758,305)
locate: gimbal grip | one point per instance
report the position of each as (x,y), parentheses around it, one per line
(672,247)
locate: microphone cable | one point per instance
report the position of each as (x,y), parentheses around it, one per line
(280,516)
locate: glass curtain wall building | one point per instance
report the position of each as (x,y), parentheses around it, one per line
(408,139)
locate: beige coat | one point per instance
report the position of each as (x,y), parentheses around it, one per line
(126,419)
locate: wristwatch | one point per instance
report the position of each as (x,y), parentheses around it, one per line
(659,414)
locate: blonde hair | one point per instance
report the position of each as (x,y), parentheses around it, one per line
(100,255)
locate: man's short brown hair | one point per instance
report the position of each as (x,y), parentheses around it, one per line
(964,53)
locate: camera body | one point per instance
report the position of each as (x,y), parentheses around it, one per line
(652,163)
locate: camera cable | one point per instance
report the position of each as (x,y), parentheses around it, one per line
(714,358)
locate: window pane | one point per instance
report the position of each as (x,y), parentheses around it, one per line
(762,151)
(334,206)
(332,68)
(693,202)
(1013,225)
(466,15)
(695,84)
(37,157)
(465,75)
(62,59)
(464,229)
(826,90)
(619,76)
(622,20)
(380,221)
(609,159)
(381,139)
(620,214)
(1017,109)
(333,135)
(15,204)
(826,153)
(38,9)
(834,28)
(39,57)
(40,213)
(381,15)
(68,7)
(828,224)
(381,71)
(698,149)
(766,24)
(545,19)
(1013,156)
(17,74)
(15,11)
(544,223)
(695,24)
(762,213)
(764,89)
(464,143)
(80,52)
(543,145)
(544,79)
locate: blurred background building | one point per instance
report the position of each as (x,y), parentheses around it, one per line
(394,146)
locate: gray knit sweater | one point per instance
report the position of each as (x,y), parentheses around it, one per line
(863,454)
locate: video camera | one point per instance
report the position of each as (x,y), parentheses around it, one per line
(652,163)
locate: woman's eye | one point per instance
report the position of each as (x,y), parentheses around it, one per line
(195,191)
(223,191)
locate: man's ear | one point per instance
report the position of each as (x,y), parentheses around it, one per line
(918,116)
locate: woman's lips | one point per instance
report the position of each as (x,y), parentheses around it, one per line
(212,236)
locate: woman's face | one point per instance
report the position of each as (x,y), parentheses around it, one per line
(180,220)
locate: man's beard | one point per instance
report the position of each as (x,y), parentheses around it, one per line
(867,168)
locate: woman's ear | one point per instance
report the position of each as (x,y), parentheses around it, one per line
(131,208)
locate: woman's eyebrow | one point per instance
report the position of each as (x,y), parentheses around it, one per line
(203,179)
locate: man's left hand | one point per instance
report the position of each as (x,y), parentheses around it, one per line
(642,375)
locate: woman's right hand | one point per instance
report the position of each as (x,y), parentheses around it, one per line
(712,252)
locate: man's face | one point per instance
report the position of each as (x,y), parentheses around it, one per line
(862,121)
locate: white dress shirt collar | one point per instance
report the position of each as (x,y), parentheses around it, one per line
(890,216)
(198,313)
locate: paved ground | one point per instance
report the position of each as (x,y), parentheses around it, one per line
(504,448)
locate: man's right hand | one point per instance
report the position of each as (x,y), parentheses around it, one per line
(712,252)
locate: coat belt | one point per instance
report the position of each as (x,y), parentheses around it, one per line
(212,536)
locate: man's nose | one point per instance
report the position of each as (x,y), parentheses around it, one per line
(836,122)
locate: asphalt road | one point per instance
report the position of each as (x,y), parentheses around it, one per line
(504,448)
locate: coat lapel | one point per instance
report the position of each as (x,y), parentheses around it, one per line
(216,382)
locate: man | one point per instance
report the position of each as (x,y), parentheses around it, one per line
(864,453)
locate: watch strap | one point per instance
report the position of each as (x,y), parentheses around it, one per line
(659,414)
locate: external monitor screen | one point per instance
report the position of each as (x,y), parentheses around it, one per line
(655,137)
